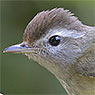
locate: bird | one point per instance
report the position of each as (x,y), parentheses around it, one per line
(61,43)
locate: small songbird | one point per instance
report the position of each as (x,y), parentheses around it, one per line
(58,41)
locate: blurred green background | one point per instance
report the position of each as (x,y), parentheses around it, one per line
(18,74)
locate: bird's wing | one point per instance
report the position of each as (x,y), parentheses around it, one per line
(86,63)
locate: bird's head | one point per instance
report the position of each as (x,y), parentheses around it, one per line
(51,35)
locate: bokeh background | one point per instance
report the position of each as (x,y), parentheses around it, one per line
(18,75)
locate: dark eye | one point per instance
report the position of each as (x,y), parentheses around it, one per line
(54,40)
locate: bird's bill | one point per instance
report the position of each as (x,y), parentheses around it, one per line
(19,48)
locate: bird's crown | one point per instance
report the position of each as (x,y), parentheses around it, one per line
(45,20)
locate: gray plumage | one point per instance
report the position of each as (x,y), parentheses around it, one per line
(73,60)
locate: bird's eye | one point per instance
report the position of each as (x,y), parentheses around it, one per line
(54,40)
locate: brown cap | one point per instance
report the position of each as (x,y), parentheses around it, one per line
(45,20)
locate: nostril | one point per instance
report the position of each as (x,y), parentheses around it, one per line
(22,45)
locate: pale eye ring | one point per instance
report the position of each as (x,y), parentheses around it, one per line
(54,40)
